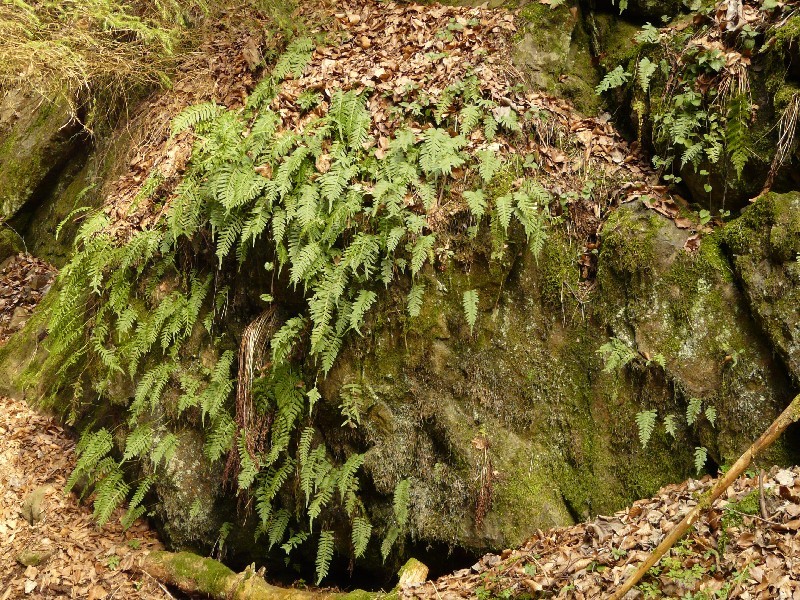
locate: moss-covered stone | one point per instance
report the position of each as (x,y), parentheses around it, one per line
(552,50)
(37,138)
(692,313)
(765,246)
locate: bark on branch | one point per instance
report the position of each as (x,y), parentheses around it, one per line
(779,425)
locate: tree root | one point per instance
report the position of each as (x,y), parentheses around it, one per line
(194,574)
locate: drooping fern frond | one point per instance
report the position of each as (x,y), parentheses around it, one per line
(110,493)
(362,531)
(700,457)
(415,296)
(470,304)
(402,497)
(646,422)
(324,554)
(644,72)
(737,132)
(693,410)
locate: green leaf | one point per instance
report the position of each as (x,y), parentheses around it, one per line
(476,201)
(362,530)
(613,79)
(470,304)
(670,425)
(693,410)
(700,457)
(646,421)
(324,554)
(645,72)
(415,299)
(711,415)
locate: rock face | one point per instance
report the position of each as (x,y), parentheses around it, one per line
(39,139)
(519,424)
(765,245)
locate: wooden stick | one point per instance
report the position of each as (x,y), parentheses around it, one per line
(779,425)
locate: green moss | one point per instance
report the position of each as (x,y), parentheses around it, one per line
(788,33)
(627,247)
(784,96)
(552,47)
(210,575)
(560,276)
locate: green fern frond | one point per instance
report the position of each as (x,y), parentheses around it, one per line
(646,422)
(693,410)
(362,531)
(194,115)
(324,554)
(700,457)
(470,305)
(402,497)
(415,296)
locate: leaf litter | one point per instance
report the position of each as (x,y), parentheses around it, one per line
(745,546)
(50,545)
(399,54)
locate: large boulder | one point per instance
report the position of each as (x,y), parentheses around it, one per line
(765,244)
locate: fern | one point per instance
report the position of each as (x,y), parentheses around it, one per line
(138,442)
(110,493)
(388,541)
(489,164)
(693,410)
(736,133)
(504,206)
(616,355)
(440,153)
(476,201)
(644,72)
(194,115)
(700,457)
(646,421)
(470,305)
(469,118)
(324,554)
(613,79)
(711,415)
(421,251)
(414,304)
(671,425)
(362,531)
(401,501)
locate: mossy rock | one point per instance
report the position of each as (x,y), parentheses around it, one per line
(686,307)
(765,245)
(552,50)
(37,140)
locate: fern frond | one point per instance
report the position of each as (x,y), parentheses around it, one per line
(324,554)
(362,531)
(646,422)
(470,305)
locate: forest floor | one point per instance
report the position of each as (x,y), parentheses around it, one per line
(50,546)
(746,546)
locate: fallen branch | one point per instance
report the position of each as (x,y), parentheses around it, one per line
(779,425)
(194,574)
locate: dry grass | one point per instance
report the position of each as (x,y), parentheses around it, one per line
(96,54)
